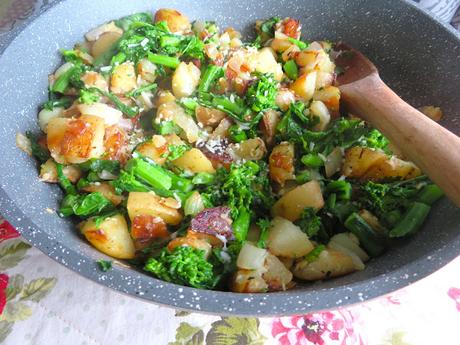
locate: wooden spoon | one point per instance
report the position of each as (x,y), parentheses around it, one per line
(432,147)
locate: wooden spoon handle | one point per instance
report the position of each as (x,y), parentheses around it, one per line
(432,147)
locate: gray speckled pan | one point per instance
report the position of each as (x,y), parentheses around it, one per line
(417,56)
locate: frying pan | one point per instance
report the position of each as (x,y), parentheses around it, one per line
(417,56)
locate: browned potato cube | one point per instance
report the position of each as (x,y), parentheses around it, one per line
(123,78)
(177,22)
(111,237)
(330,263)
(292,204)
(75,140)
(147,203)
(281,163)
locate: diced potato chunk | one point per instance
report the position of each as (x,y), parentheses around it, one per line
(96,33)
(268,125)
(277,276)
(265,62)
(307,59)
(251,149)
(209,116)
(106,189)
(156,149)
(248,281)
(221,130)
(177,22)
(76,140)
(358,161)
(193,242)
(195,161)
(330,96)
(164,96)
(147,203)
(171,111)
(111,238)
(392,168)
(324,79)
(45,116)
(292,204)
(111,116)
(284,98)
(287,240)
(319,109)
(147,70)
(104,43)
(123,78)
(330,263)
(48,172)
(281,163)
(304,86)
(94,79)
(251,257)
(368,164)
(185,79)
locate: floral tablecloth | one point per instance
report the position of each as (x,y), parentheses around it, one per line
(43,303)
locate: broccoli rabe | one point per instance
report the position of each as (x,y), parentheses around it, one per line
(309,222)
(88,96)
(261,93)
(99,165)
(38,151)
(245,189)
(184,266)
(126,22)
(403,205)
(175,151)
(84,205)
(266,29)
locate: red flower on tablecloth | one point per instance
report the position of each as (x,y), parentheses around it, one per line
(7,231)
(3,285)
(324,328)
(454,293)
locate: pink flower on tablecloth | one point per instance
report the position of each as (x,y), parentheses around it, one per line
(7,231)
(324,328)
(454,293)
(3,285)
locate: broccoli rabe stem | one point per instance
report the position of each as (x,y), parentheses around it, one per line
(227,105)
(63,81)
(368,238)
(164,60)
(151,174)
(430,194)
(64,182)
(411,221)
(241,224)
(211,73)
(291,70)
(342,188)
(170,41)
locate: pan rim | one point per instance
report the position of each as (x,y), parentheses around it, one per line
(219,302)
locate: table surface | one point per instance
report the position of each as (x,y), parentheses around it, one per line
(41,302)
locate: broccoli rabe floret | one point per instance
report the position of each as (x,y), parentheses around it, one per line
(261,94)
(183,265)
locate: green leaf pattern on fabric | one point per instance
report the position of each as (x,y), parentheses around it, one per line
(19,295)
(37,289)
(5,329)
(186,334)
(15,311)
(11,253)
(15,285)
(235,331)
